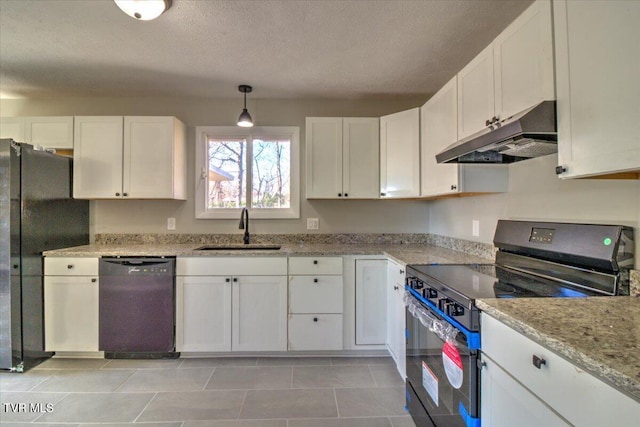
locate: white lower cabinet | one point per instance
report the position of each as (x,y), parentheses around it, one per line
(525,384)
(396,315)
(231,304)
(315,303)
(259,313)
(371,301)
(315,332)
(204,313)
(505,402)
(71,304)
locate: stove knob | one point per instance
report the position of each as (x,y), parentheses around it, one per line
(431,293)
(454,310)
(419,284)
(443,303)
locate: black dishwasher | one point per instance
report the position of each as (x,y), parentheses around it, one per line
(137,307)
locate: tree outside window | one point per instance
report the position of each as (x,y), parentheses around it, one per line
(255,170)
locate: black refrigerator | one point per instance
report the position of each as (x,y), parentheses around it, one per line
(37,213)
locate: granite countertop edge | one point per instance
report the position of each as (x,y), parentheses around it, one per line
(401,253)
(600,370)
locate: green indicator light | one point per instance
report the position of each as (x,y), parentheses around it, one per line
(607,241)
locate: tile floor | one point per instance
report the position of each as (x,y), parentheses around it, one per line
(207,392)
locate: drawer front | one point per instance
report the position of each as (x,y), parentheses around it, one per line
(315,332)
(315,265)
(562,385)
(76,266)
(231,266)
(315,294)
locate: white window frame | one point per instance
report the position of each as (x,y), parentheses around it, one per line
(204,133)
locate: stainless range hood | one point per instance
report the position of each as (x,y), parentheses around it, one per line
(532,133)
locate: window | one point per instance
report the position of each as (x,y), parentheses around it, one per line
(257,168)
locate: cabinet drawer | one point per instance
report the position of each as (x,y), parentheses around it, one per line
(315,294)
(315,332)
(70,266)
(315,265)
(562,385)
(231,266)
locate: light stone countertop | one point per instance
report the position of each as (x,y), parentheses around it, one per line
(599,334)
(402,253)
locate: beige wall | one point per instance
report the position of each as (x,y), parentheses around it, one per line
(534,190)
(130,216)
(535,193)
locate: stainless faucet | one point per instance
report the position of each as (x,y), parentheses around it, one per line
(244,214)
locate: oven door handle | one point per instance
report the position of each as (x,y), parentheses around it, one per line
(443,329)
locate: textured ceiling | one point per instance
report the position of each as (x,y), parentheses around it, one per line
(205,48)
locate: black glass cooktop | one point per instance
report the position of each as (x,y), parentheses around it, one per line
(474,281)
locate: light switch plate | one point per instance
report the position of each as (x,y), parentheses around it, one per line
(475,226)
(171,223)
(313,223)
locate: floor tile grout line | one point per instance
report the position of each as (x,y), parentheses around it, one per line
(54,405)
(145,407)
(244,398)
(373,376)
(335,398)
(206,383)
(133,372)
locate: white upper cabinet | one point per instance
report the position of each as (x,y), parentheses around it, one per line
(49,132)
(523,62)
(360,157)
(438,122)
(475,94)
(597,67)
(342,157)
(513,73)
(130,157)
(400,154)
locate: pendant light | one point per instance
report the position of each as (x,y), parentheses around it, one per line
(143,10)
(245,119)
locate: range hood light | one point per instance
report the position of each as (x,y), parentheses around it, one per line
(143,10)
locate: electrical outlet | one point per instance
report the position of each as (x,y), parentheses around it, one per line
(313,224)
(475,227)
(171,223)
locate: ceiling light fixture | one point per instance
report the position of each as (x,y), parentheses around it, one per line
(245,119)
(143,10)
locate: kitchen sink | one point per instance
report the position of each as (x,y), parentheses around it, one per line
(238,248)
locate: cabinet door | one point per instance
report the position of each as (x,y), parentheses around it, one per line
(504,402)
(50,132)
(361,158)
(396,315)
(71,313)
(203,314)
(439,124)
(324,157)
(597,69)
(12,127)
(315,294)
(148,161)
(475,95)
(97,155)
(259,313)
(371,302)
(523,61)
(400,154)
(315,332)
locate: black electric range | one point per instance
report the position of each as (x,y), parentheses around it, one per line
(534,259)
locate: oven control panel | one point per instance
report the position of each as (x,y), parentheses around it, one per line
(443,303)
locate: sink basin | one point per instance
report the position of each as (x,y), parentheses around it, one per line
(238,248)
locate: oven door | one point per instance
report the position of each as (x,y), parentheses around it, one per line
(442,374)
